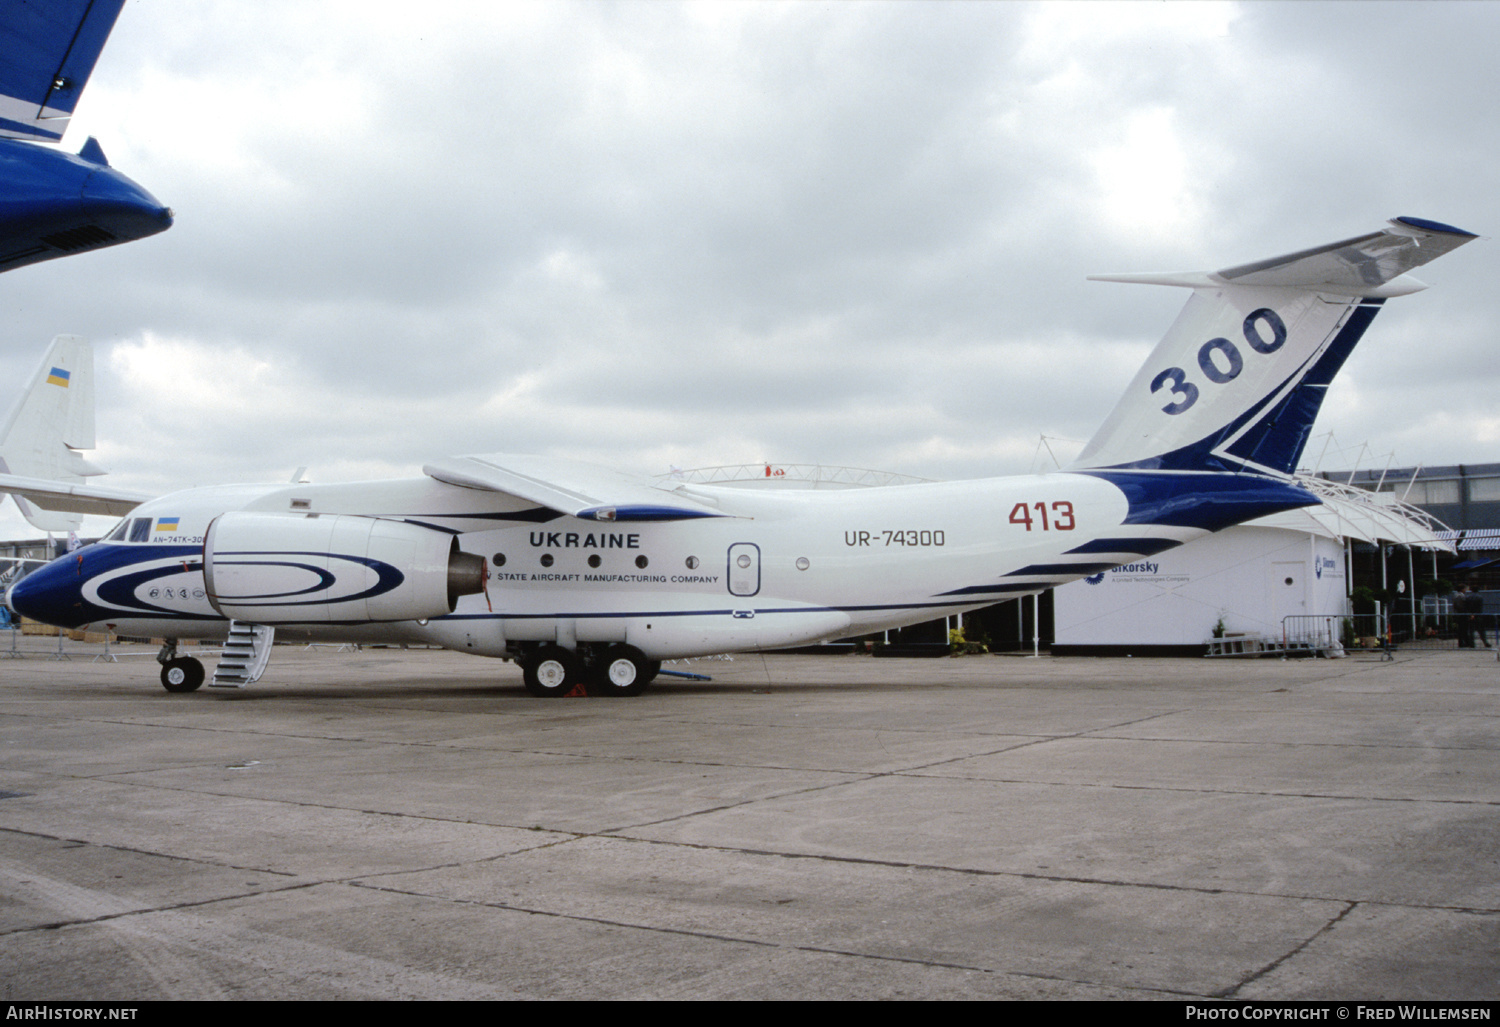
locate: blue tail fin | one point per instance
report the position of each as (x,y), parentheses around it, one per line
(47,53)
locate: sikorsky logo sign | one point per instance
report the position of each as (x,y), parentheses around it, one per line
(1133,571)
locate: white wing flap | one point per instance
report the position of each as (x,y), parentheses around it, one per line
(570,487)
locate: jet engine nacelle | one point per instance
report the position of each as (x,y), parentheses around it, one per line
(274,568)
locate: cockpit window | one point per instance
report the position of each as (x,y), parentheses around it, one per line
(134,529)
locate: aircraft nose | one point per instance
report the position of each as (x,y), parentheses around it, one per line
(51,595)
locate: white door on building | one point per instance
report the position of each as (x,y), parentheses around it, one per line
(1288,589)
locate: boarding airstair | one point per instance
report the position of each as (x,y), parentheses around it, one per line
(245,654)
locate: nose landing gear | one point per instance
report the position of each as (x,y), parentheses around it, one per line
(178,673)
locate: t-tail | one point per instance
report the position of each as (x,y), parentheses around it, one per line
(1236,383)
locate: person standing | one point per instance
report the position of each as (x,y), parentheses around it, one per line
(1476,612)
(1469,606)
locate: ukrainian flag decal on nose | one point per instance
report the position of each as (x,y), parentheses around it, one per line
(57,376)
(167,523)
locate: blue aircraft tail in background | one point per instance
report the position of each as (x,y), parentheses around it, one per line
(53,204)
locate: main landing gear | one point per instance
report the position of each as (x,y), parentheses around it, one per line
(619,670)
(178,673)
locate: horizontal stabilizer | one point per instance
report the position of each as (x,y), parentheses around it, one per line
(571,487)
(70,498)
(1367,265)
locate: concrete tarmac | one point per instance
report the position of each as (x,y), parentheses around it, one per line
(394,824)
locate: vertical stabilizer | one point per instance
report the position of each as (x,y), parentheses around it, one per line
(1237,381)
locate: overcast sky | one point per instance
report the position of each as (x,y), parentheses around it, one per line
(655,234)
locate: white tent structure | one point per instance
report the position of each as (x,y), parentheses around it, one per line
(1358,515)
(1245,581)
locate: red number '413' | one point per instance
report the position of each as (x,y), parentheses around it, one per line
(1061,520)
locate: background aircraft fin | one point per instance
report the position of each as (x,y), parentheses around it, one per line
(40,438)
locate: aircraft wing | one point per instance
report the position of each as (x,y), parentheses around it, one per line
(47,53)
(572,487)
(60,495)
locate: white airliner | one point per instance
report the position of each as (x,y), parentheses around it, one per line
(589,577)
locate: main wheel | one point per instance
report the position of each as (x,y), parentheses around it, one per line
(623,670)
(551,670)
(183,674)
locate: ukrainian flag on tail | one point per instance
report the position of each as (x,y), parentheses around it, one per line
(57,376)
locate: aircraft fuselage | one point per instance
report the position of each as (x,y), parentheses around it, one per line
(779,568)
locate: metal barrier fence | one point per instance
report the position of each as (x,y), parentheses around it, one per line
(1385,633)
(16,644)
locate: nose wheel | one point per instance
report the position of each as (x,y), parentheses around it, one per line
(183,674)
